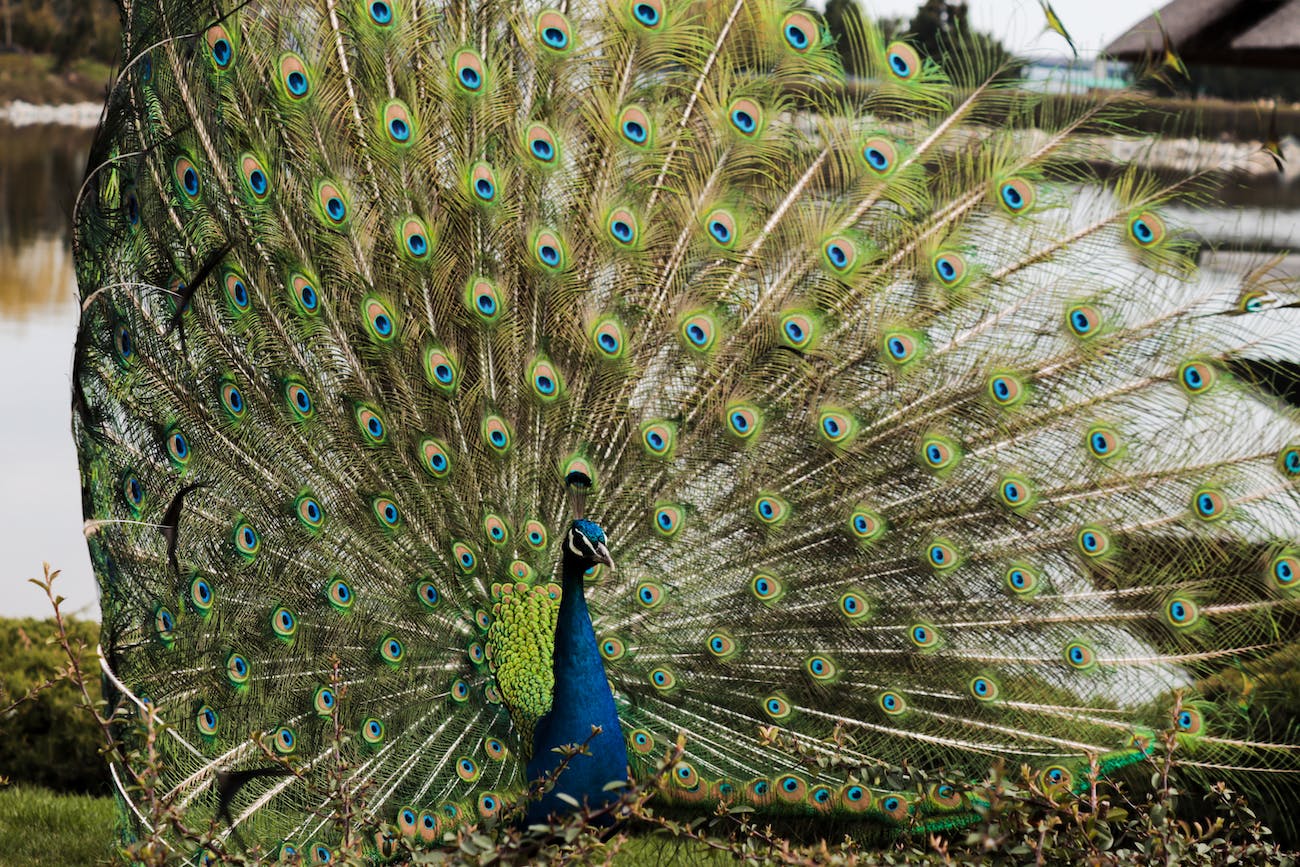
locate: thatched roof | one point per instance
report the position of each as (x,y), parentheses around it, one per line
(1233,32)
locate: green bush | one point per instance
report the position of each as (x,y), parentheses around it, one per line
(49,739)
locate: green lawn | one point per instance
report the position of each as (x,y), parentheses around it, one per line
(39,827)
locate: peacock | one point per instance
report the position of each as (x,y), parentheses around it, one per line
(459,381)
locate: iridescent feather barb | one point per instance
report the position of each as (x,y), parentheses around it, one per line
(901,422)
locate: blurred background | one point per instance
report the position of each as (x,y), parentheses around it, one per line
(1242,92)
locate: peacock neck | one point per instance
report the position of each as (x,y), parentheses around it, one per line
(581,699)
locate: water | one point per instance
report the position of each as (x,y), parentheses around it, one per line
(40,504)
(40,507)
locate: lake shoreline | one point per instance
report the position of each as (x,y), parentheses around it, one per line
(80,115)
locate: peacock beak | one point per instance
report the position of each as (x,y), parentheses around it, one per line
(602,556)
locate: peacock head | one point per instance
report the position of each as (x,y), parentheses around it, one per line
(586,543)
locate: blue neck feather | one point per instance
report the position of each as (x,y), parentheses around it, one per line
(581,699)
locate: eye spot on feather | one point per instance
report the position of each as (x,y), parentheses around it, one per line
(440,369)
(923,636)
(903,61)
(642,741)
(880,155)
(777,706)
(133,491)
(220,48)
(663,679)
(381,13)
(340,594)
(1006,390)
(939,453)
(942,555)
(612,649)
(821,668)
(865,525)
(1083,320)
(1146,229)
(236,292)
(468,71)
(237,669)
(1284,571)
(721,224)
(476,653)
(372,731)
(482,183)
(545,380)
(983,689)
(283,623)
(1189,721)
(659,438)
(743,421)
(791,788)
(550,251)
(489,805)
(294,77)
(855,798)
(892,703)
(285,740)
(463,556)
(1195,377)
(667,520)
(649,594)
(164,626)
(624,228)
(746,117)
(800,32)
(648,13)
(766,588)
(201,595)
(1288,462)
(206,721)
(1080,656)
(721,645)
(535,535)
(255,176)
(413,239)
(901,347)
(391,650)
(1182,613)
(323,701)
(854,605)
(1093,542)
(398,123)
(541,144)
(699,330)
(309,512)
(607,336)
(303,290)
(635,127)
(427,594)
(247,542)
(497,435)
(841,254)
(771,510)
(950,268)
(553,30)
(232,400)
(1209,504)
(333,204)
(371,424)
(1022,580)
(436,458)
(186,175)
(1016,195)
(798,329)
(1103,442)
(387,513)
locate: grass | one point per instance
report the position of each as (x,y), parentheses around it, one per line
(32,78)
(39,827)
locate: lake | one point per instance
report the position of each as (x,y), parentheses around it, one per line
(40,510)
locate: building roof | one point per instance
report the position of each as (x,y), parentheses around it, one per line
(1231,32)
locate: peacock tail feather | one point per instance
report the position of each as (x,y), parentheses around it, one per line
(916,440)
